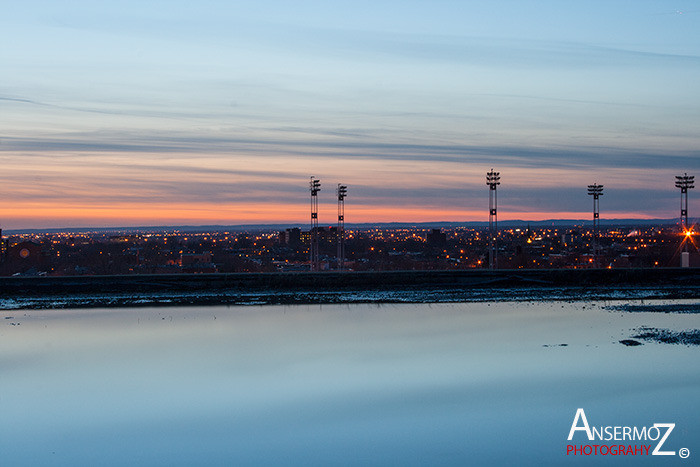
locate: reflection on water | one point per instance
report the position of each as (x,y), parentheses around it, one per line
(449,384)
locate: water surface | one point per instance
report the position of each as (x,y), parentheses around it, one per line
(418,384)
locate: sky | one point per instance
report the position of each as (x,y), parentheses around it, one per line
(136,113)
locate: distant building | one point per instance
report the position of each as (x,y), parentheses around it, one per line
(123,238)
(291,237)
(197,263)
(325,235)
(437,238)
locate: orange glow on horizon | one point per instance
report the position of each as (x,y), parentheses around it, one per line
(44,215)
(113,189)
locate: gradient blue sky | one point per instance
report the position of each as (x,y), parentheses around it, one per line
(142,113)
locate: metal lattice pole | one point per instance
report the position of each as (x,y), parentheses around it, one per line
(685,182)
(342,192)
(493,180)
(314,187)
(596,191)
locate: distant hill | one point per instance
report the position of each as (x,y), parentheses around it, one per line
(366,225)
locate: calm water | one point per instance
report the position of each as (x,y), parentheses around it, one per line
(450,384)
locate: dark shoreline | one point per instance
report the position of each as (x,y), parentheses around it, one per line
(347,287)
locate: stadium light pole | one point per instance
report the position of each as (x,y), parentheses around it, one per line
(596,191)
(342,192)
(314,187)
(685,182)
(493,180)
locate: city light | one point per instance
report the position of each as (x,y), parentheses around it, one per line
(370,249)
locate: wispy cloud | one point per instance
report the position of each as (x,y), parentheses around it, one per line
(19,99)
(353,146)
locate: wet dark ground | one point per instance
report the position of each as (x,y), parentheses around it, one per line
(350,287)
(663,308)
(666,336)
(663,336)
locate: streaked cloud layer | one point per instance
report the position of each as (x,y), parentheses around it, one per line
(218,112)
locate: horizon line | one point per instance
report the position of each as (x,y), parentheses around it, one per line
(282,225)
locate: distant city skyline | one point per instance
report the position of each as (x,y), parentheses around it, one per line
(170,113)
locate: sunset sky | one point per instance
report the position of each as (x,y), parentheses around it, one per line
(217,112)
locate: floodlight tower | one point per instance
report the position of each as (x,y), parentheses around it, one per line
(314,187)
(342,192)
(493,180)
(596,191)
(685,182)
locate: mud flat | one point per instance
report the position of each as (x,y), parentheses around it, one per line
(667,336)
(693,308)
